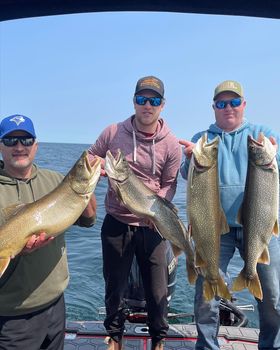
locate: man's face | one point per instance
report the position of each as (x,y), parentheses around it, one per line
(18,157)
(147,115)
(229,118)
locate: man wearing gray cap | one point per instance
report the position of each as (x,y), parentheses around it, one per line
(233,130)
(154,155)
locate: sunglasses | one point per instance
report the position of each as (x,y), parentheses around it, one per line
(26,141)
(222,104)
(154,101)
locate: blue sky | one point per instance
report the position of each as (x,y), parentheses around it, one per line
(75,74)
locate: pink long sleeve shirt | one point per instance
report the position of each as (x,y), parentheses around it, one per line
(154,159)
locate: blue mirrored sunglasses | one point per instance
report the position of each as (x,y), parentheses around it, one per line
(222,104)
(142,100)
(26,141)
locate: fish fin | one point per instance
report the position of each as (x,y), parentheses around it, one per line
(218,289)
(199,262)
(12,210)
(240,282)
(208,290)
(222,289)
(224,223)
(4,263)
(255,288)
(191,272)
(169,204)
(264,257)
(253,285)
(275,230)
(176,251)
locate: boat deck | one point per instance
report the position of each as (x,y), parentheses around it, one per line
(90,335)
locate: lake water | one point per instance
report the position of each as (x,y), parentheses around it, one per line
(85,293)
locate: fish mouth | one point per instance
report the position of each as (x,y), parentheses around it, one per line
(118,158)
(114,160)
(202,153)
(259,142)
(91,166)
(113,167)
(267,157)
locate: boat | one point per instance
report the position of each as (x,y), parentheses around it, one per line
(233,334)
(84,335)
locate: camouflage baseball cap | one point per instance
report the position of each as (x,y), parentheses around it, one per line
(228,85)
(150,83)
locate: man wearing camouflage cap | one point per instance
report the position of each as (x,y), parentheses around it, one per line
(154,155)
(233,130)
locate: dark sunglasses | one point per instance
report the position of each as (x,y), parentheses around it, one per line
(222,104)
(12,141)
(154,101)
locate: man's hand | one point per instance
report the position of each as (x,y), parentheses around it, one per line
(102,163)
(189,146)
(36,242)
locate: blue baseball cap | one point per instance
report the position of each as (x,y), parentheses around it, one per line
(16,122)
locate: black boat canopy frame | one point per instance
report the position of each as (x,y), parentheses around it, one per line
(13,9)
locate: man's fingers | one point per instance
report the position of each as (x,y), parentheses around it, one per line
(30,243)
(185,143)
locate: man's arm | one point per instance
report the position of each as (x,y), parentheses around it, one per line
(88,217)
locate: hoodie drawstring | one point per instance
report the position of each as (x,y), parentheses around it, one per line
(32,191)
(233,141)
(154,156)
(153,152)
(134,147)
(18,191)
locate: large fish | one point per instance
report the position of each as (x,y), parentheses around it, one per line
(259,211)
(143,202)
(205,215)
(53,213)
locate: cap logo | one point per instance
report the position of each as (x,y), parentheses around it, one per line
(232,85)
(18,119)
(151,82)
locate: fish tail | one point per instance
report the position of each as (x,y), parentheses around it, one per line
(209,290)
(220,289)
(240,282)
(253,284)
(255,288)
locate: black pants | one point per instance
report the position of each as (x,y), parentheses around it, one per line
(120,243)
(43,329)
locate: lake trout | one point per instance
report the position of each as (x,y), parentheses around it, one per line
(52,214)
(144,203)
(259,212)
(205,215)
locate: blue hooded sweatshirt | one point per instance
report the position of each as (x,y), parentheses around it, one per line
(232,162)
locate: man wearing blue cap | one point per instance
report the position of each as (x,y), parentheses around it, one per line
(32,310)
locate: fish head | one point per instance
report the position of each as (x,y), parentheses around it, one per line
(261,152)
(116,168)
(84,175)
(205,153)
